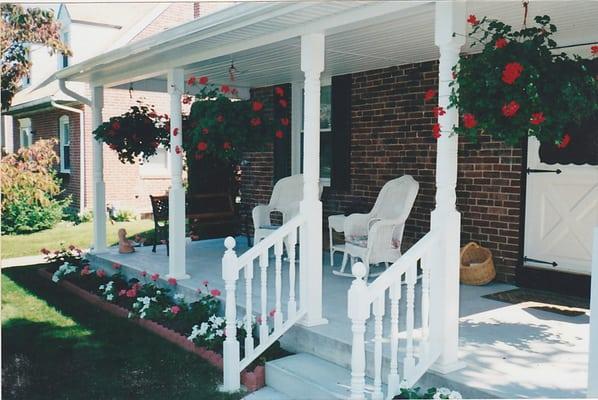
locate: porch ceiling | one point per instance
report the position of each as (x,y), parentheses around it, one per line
(264,42)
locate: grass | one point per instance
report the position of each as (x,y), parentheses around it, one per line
(55,346)
(79,235)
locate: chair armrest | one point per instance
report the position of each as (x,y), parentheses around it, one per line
(382,233)
(356,225)
(261,215)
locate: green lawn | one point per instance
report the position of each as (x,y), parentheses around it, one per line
(78,235)
(55,346)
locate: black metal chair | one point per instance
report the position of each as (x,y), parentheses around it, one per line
(160,211)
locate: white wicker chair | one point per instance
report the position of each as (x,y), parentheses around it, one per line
(286,196)
(376,237)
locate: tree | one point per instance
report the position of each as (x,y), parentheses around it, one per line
(18,29)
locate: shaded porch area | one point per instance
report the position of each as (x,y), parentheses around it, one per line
(510,350)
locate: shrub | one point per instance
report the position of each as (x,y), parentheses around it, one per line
(124,216)
(30,188)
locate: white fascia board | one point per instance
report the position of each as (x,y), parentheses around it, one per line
(139,26)
(152,64)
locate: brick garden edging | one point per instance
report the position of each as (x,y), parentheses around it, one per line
(252,380)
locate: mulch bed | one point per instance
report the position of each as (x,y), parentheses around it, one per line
(252,380)
(546,301)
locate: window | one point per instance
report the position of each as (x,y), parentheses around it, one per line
(25,133)
(65,144)
(157,165)
(325,133)
(26,80)
(63,59)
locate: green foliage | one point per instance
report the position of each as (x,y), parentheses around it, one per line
(18,29)
(431,393)
(520,85)
(135,134)
(124,216)
(223,128)
(30,188)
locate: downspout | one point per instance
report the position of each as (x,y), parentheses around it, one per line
(85,101)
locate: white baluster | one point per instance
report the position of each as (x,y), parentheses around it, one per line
(248,308)
(264,296)
(409,362)
(358,311)
(230,274)
(424,347)
(394,380)
(378,315)
(278,285)
(291,242)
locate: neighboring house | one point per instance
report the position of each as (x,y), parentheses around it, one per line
(41,111)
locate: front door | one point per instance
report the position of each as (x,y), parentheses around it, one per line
(561,212)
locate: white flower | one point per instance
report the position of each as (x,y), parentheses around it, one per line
(455,395)
(55,277)
(158,292)
(142,315)
(102,287)
(436,395)
(179,297)
(444,391)
(109,297)
(219,332)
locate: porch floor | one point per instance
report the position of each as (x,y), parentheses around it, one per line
(511,350)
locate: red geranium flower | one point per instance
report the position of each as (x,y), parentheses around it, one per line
(155,277)
(172,281)
(122,292)
(175,309)
(564,141)
(472,20)
(100,273)
(203,80)
(202,146)
(116,125)
(205,131)
(279,134)
(594,50)
(255,121)
(177,149)
(469,121)
(537,118)
(429,95)
(220,118)
(438,111)
(116,266)
(143,273)
(225,89)
(283,103)
(500,43)
(215,292)
(187,99)
(191,80)
(198,156)
(175,132)
(511,72)
(284,121)
(436,131)
(257,106)
(279,91)
(136,286)
(227,145)
(131,293)
(509,110)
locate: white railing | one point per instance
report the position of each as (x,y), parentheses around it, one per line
(417,357)
(283,237)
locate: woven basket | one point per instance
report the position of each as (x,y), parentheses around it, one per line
(477,267)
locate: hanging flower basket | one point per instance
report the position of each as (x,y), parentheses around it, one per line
(221,127)
(135,134)
(520,85)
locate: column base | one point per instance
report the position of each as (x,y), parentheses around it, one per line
(448,368)
(308,323)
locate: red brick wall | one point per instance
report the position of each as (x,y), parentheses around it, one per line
(391,136)
(175,14)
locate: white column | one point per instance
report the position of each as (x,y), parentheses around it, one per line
(99,188)
(296,105)
(176,195)
(312,64)
(593,353)
(449,37)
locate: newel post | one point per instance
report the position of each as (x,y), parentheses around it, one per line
(358,311)
(99,187)
(230,274)
(446,220)
(176,195)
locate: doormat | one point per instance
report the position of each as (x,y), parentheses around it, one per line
(546,301)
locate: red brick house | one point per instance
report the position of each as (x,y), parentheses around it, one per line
(41,111)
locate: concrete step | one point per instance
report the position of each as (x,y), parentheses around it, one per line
(266,393)
(305,376)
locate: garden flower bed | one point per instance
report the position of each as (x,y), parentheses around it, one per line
(195,327)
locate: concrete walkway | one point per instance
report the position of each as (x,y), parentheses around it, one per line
(19,261)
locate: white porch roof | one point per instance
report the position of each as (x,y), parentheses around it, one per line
(263,39)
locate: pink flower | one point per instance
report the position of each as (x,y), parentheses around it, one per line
(136,286)
(205,283)
(257,106)
(191,81)
(279,134)
(594,50)
(279,91)
(272,312)
(284,121)
(509,110)
(215,292)
(177,149)
(198,290)
(116,266)
(131,293)
(175,131)
(438,111)
(155,277)
(101,273)
(122,292)
(143,273)
(283,103)
(85,270)
(175,309)
(258,319)
(172,281)
(225,89)
(203,80)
